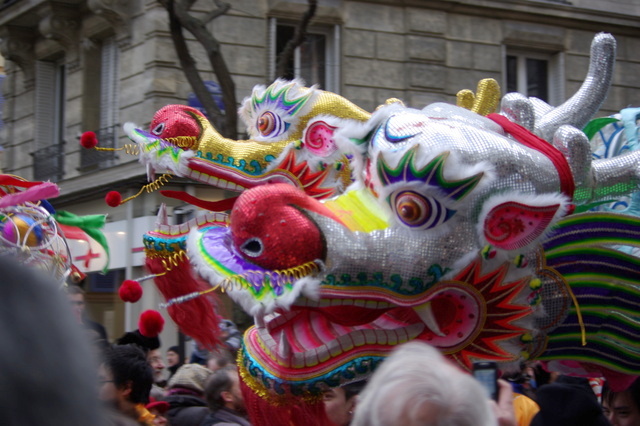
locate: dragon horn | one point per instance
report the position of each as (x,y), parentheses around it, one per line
(579,109)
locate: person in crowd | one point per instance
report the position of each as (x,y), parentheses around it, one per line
(231,340)
(154,357)
(416,385)
(175,360)
(97,332)
(151,347)
(231,337)
(622,408)
(185,395)
(159,410)
(340,403)
(125,379)
(224,398)
(525,409)
(43,349)
(199,353)
(541,376)
(524,404)
(568,401)
(218,359)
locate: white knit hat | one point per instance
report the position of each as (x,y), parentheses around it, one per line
(190,376)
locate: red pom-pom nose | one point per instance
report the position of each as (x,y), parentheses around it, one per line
(89,140)
(151,323)
(113,198)
(130,291)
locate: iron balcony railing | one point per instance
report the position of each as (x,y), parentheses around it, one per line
(94,159)
(48,162)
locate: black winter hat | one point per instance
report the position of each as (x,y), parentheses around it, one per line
(568,401)
(136,338)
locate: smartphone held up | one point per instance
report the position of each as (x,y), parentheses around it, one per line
(486,372)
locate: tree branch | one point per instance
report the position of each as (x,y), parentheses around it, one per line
(189,67)
(221,10)
(179,11)
(299,36)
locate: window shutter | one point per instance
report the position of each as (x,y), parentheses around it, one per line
(333,61)
(109,84)
(557,79)
(273,25)
(45,104)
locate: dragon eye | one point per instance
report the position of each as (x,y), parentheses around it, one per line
(417,211)
(158,129)
(270,124)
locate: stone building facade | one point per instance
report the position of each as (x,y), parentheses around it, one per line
(78,65)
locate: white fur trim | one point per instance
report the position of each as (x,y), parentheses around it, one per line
(309,286)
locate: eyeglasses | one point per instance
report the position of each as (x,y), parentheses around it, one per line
(102,382)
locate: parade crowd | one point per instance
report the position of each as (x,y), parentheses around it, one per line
(50,378)
(415,386)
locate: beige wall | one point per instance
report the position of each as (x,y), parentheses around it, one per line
(422,52)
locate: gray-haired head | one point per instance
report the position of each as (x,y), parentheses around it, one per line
(416,385)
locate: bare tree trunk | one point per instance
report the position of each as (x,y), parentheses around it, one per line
(180,18)
(299,36)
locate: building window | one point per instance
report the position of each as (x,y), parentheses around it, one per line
(316,61)
(48,157)
(536,75)
(100,99)
(105,283)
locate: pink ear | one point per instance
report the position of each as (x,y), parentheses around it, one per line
(512,226)
(319,139)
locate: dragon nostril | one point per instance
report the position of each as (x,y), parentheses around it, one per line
(252,247)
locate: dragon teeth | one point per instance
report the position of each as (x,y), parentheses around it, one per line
(284,349)
(425,312)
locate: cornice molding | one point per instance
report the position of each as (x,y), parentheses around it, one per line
(61,23)
(17,45)
(118,13)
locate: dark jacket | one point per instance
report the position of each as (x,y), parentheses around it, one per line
(186,410)
(224,417)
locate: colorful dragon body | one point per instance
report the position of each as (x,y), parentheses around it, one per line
(437,224)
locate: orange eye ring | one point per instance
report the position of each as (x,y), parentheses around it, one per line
(267,123)
(412,209)
(409,210)
(417,211)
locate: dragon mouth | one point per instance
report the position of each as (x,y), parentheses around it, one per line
(164,156)
(232,179)
(306,337)
(286,295)
(164,230)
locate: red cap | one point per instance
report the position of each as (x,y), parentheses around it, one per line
(154,404)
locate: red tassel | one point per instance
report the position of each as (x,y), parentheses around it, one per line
(196,318)
(294,412)
(113,198)
(150,323)
(89,140)
(130,291)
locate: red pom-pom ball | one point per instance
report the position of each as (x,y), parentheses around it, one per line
(113,198)
(151,323)
(130,291)
(89,140)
